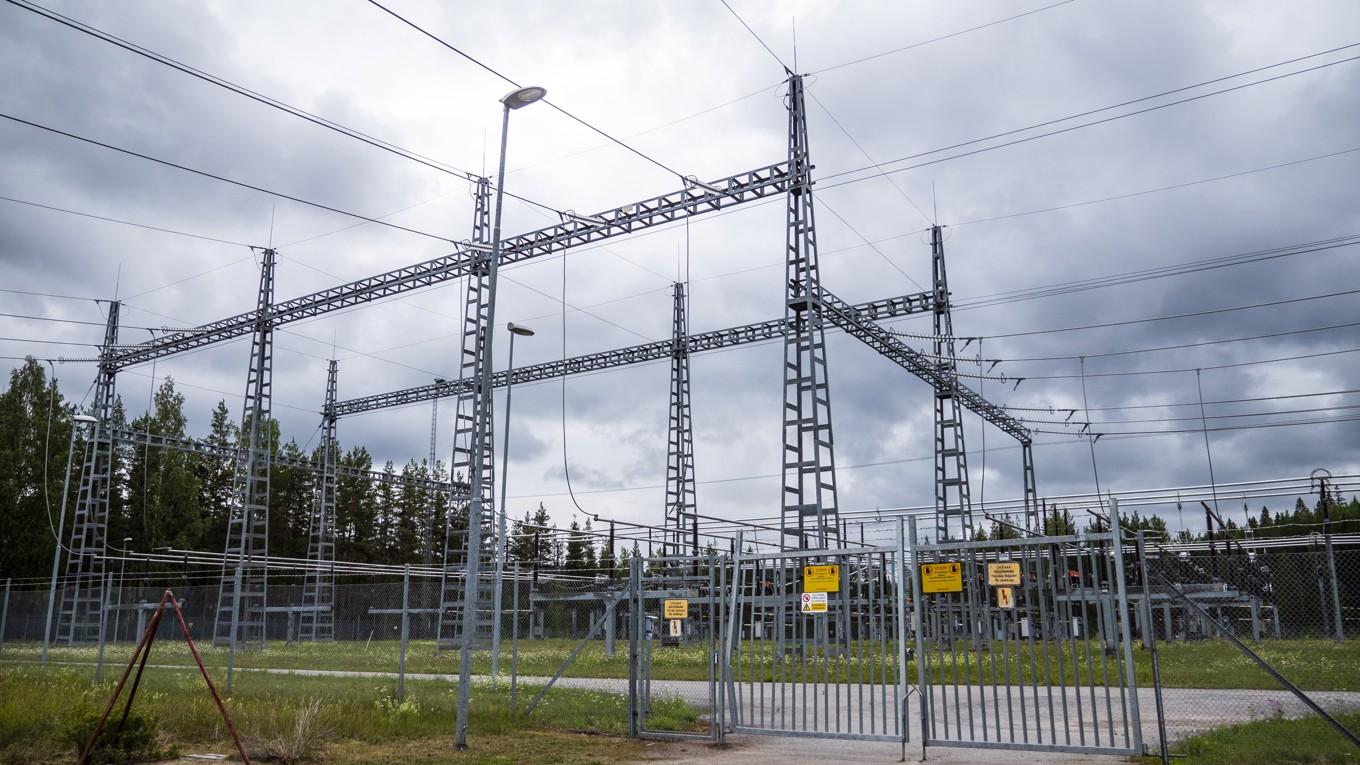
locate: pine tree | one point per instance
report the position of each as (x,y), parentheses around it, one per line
(32,458)
(163,484)
(215,479)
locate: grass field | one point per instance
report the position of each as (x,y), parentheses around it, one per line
(1277,741)
(1321,665)
(365,722)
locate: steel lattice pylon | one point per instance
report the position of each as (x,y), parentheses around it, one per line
(952,497)
(472,434)
(680,490)
(242,597)
(809,500)
(317,623)
(82,599)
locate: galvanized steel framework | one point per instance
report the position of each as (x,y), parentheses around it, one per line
(809,507)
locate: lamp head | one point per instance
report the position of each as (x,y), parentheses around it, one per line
(84,419)
(519,329)
(523,97)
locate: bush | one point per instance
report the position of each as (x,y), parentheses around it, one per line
(136,741)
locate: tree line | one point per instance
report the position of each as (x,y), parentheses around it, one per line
(166,498)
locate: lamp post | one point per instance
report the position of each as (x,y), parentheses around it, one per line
(81,419)
(501,540)
(517,99)
(122,582)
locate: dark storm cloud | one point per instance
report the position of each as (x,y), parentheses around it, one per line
(630,68)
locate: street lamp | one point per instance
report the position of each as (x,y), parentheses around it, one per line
(81,419)
(516,99)
(501,549)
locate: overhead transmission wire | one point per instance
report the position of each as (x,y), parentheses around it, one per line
(275,103)
(1104,120)
(225,179)
(486,67)
(124,222)
(1055,410)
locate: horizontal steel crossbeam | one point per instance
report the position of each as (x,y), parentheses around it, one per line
(861,325)
(575,231)
(635,354)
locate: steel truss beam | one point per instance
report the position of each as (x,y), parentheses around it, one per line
(572,232)
(82,600)
(701,342)
(953,494)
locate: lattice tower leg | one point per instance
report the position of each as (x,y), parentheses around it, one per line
(241,607)
(1032,519)
(83,597)
(953,502)
(809,510)
(472,445)
(317,624)
(680,485)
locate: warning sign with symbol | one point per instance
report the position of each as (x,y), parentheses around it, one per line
(814,602)
(822,578)
(675,609)
(1004,574)
(941,577)
(677,628)
(1005,597)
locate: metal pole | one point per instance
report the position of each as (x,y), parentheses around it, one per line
(501,531)
(56,550)
(235,615)
(1151,642)
(480,434)
(4,615)
(122,582)
(1331,562)
(103,619)
(405,630)
(514,638)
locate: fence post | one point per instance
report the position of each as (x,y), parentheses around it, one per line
(922,685)
(4,615)
(514,641)
(903,577)
(235,615)
(103,619)
(405,630)
(1163,746)
(635,595)
(1331,570)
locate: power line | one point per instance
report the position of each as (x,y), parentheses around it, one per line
(222,178)
(1093,122)
(124,222)
(1055,410)
(488,68)
(767,48)
(275,103)
(940,38)
(1139,372)
(49,295)
(1160,189)
(1180,346)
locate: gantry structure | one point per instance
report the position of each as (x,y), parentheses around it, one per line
(809,504)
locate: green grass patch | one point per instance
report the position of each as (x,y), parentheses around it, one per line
(1320,665)
(38,707)
(1277,741)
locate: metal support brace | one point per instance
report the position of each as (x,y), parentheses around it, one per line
(240,616)
(83,597)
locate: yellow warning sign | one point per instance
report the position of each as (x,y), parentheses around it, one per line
(675,609)
(941,577)
(1004,574)
(1005,597)
(822,578)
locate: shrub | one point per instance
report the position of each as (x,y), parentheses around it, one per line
(135,741)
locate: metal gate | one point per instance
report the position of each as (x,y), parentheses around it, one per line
(816,644)
(689,586)
(1025,644)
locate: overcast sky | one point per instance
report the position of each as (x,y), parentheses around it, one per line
(687,85)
